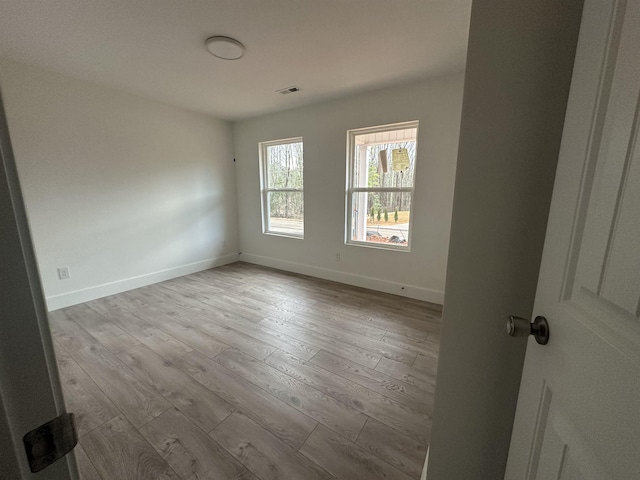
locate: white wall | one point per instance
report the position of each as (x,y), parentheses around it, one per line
(437,105)
(122,190)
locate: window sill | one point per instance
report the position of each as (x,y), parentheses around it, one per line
(285,235)
(379,246)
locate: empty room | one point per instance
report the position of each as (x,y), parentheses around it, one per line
(206,288)
(282,239)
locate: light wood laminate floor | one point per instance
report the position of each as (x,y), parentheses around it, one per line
(244,372)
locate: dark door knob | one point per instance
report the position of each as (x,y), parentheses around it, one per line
(521,327)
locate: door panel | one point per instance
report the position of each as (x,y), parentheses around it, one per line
(30,392)
(578,411)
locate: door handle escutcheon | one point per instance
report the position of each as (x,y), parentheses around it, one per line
(521,327)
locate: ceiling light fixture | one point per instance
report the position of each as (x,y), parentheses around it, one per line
(226,48)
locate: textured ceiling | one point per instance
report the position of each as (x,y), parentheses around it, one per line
(155,48)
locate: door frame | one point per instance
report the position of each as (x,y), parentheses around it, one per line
(518,73)
(26,347)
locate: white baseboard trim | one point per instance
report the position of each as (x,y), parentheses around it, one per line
(63,300)
(411,291)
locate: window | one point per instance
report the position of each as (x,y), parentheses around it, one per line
(282,193)
(380,182)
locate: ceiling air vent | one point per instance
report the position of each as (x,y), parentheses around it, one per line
(288,90)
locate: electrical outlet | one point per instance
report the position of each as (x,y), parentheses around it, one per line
(64,273)
(338,257)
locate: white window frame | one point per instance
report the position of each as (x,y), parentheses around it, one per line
(265,190)
(350,189)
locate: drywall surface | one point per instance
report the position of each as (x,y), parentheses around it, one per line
(122,190)
(437,105)
(518,73)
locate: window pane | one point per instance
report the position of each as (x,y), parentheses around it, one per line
(381,217)
(284,165)
(286,213)
(385,159)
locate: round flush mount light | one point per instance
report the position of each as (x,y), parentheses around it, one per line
(226,48)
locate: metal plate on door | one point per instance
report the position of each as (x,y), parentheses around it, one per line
(50,441)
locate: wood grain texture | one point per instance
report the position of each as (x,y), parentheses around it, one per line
(262,453)
(190,451)
(319,406)
(427,346)
(200,404)
(174,325)
(398,415)
(325,342)
(83,397)
(108,334)
(118,450)
(284,421)
(405,373)
(341,373)
(215,326)
(68,333)
(135,399)
(345,459)
(398,450)
(429,363)
(146,333)
(85,466)
(414,395)
(398,353)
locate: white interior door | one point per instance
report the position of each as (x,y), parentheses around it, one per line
(578,414)
(30,393)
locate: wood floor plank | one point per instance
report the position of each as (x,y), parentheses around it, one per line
(189,451)
(240,341)
(186,301)
(111,336)
(244,307)
(339,319)
(238,323)
(421,347)
(82,396)
(407,374)
(284,421)
(344,459)
(217,278)
(344,374)
(183,331)
(358,355)
(413,421)
(401,451)
(118,450)
(194,295)
(85,466)
(146,333)
(263,453)
(200,404)
(375,380)
(280,340)
(428,363)
(319,406)
(369,317)
(317,320)
(215,327)
(399,353)
(181,283)
(135,399)
(68,333)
